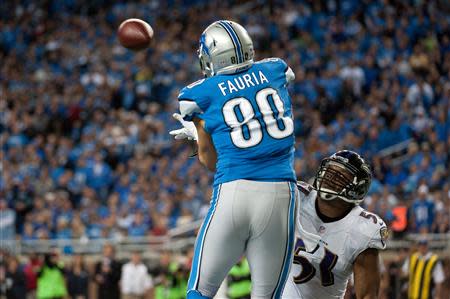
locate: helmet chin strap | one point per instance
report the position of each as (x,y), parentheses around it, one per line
(208,71)
(211,68)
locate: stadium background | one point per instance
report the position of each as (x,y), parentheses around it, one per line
(85,153)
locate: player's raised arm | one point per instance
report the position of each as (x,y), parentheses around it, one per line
(206,150)
(366,271)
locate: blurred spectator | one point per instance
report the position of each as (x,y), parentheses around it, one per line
(77,279)
(420,93)
(425,273)
(239,284)
(138,227)
(7,221)
(135,281)
(4,284)
(107,274)
(51,282)
(31,270)
(12,280)
(170,278)
(355,74)
(23,202)
(422,211)
(159,226)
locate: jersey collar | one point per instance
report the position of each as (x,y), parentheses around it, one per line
(326,219)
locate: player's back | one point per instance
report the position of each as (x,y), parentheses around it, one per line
(249,118)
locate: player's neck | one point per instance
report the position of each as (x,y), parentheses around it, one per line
(330,211)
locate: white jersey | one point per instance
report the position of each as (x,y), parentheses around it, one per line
(322,267)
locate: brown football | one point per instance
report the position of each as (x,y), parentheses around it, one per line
(135,34)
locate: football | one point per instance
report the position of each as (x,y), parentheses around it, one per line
(135,34)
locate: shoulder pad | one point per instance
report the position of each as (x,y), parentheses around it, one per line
(280,66)
(273,59)
(189,109)
(374,228)
(304,187)
(193,100)
(367,230)
(193,84)
(191,91)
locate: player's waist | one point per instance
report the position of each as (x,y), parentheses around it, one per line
(255,157)
(276,170)
(285,176)
(261,186)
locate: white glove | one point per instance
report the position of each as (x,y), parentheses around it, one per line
(188,131)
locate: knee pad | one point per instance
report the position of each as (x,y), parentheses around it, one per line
(193,294)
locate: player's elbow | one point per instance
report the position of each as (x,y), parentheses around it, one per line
(369,292)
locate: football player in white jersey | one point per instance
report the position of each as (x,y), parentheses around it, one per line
(335,236)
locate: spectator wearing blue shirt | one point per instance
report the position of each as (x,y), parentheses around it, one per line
(442,124)
(7,221)
(63,230)
(139,227)
(422,211)
(413,178)
(372,142)
(99,175)
(396,177)
(28,232)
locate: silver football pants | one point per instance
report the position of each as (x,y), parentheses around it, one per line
(251,218)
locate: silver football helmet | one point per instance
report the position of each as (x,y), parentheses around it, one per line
(225,48)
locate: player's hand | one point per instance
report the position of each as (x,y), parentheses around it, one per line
(182,133)
(188,131)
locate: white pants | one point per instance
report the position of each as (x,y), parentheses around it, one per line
(252,218)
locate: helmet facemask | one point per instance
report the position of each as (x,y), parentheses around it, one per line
(338,180)
(204,58)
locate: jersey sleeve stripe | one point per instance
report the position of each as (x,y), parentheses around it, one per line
(189,109)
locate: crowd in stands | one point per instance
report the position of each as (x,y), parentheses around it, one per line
(85,149)
(77,277)
(50,275)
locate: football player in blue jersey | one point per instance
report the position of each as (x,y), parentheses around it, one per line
(241,116)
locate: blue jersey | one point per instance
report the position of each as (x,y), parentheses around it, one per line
(249,118)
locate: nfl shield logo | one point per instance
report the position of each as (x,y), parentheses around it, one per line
(321,229)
